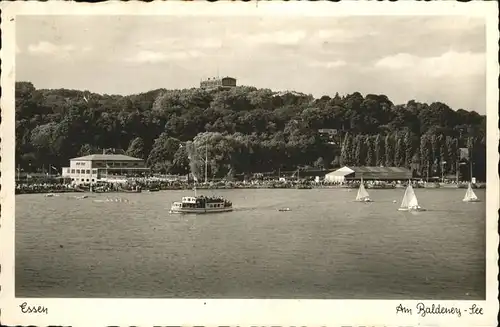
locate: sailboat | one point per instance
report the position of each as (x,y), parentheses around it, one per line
(362,195)
(410,202)
(470,196)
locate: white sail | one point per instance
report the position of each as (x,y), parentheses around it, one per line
(362,194)
(470,196)
(410,201)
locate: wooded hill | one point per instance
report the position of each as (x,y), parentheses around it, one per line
(246,130)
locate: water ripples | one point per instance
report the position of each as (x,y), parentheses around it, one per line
(327,246)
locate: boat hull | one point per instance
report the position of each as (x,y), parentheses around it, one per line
(411,210)
(472,200)
(199,210)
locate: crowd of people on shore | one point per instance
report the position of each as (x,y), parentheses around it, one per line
(28,188)
(153,185)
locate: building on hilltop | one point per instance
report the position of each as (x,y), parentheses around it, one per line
(216,82)
(103,167)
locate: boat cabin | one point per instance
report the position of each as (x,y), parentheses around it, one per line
(202,202)
(188,199)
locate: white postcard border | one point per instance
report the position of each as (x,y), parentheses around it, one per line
(210,312)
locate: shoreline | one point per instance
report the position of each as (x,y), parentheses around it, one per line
(246,187)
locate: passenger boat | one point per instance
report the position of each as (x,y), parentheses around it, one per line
(201,204)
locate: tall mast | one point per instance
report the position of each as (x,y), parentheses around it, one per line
(457,165)
(206,163)
(470,159)
(470,164)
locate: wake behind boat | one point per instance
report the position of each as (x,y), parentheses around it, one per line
(363,195)
(470,196)
(201,204)
(410,202)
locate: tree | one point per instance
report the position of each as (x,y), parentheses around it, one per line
(360,150)
(409,149)
(181,161)
(335,162)
(399,151)
(443,154)
(162,155)
(434,154)
(370,151)
(320,163)
(452,148)
(88,149)
(480,159)
(389,151)
(470,146)
(425,155)
(379,145)
(42,136)
(136,148)
(347,150)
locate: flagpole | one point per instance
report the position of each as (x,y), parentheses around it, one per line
(206,163)
(442,170)
(470,161)
(470,164)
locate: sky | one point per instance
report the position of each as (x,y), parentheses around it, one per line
(424,58)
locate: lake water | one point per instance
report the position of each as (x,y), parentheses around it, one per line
(327,247)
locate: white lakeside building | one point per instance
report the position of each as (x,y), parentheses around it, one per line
(103,167)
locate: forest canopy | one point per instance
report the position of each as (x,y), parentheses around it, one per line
(244,130)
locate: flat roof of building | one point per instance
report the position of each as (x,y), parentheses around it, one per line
(347,170)
(107,157)
(374,169)
(217,78)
